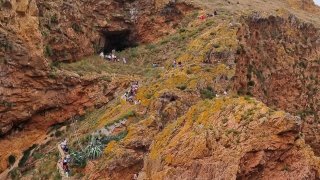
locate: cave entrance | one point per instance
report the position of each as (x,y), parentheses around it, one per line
(118,40)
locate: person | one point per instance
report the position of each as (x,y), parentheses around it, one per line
(68,158)
(64,163)
(135,176)
(174,63)
(179,64)
(108,57)
(225,93)
(124,60)
(113,55)
(63,144)
(126,94)
(67,170)
(202,17)
(101,54)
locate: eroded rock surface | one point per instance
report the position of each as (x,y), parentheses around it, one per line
(231,139)
(278,62)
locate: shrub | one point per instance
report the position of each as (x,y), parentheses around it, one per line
(57,133)
(48,51)
(11,160)
(54,19)
(78,159)
(14,174)
(76,27)
(117,137)
(94,149)
(122,117)
(26,155)
(182,87)
(207,93)
(148,95)
(189,71)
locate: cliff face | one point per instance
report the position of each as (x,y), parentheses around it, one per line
(230,138)
(306,5)
(28,91)
(278,62)
(36,34)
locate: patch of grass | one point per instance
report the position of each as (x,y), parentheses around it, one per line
(76,27)
(225,120)
(148,95)
(189,71)
(15,174)
(117,137)
(182,87)
(37,155)
(48,51)
(57,133)
(7,104)
(207,93)
(122,117)
(26,155)
(233,131)
(54,19)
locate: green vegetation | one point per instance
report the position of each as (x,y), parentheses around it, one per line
(94,149)
(182,87)
(11,160)
(48,51)
(207,93)
(122,117)
(7,104)
(76,27)
(15,174)
(26,155)
(54,18)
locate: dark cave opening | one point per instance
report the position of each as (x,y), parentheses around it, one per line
(117,40)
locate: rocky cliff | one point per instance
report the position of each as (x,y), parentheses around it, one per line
(231,139)
(243,103)
(37,34)
(278,62)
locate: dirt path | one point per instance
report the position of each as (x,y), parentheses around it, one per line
(59,163)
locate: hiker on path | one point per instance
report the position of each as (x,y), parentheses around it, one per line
(113,55)
(64,163)
(101,55)
(64,146)
(174,63)
(68,158)
(67,170)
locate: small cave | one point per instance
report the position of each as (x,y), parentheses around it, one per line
(117,40)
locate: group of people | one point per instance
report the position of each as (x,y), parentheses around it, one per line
(67,159)
(204,16)
(113,57)
(130,95)
(175,64)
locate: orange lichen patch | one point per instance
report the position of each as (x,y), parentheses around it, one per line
(188,141)
(114,113)
(112,149)
(10,144)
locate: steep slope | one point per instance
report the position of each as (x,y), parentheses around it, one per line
(231,138)
(35,35)
(189,121)
(278,62)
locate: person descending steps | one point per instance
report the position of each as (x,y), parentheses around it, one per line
(63,163)
(131,93)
